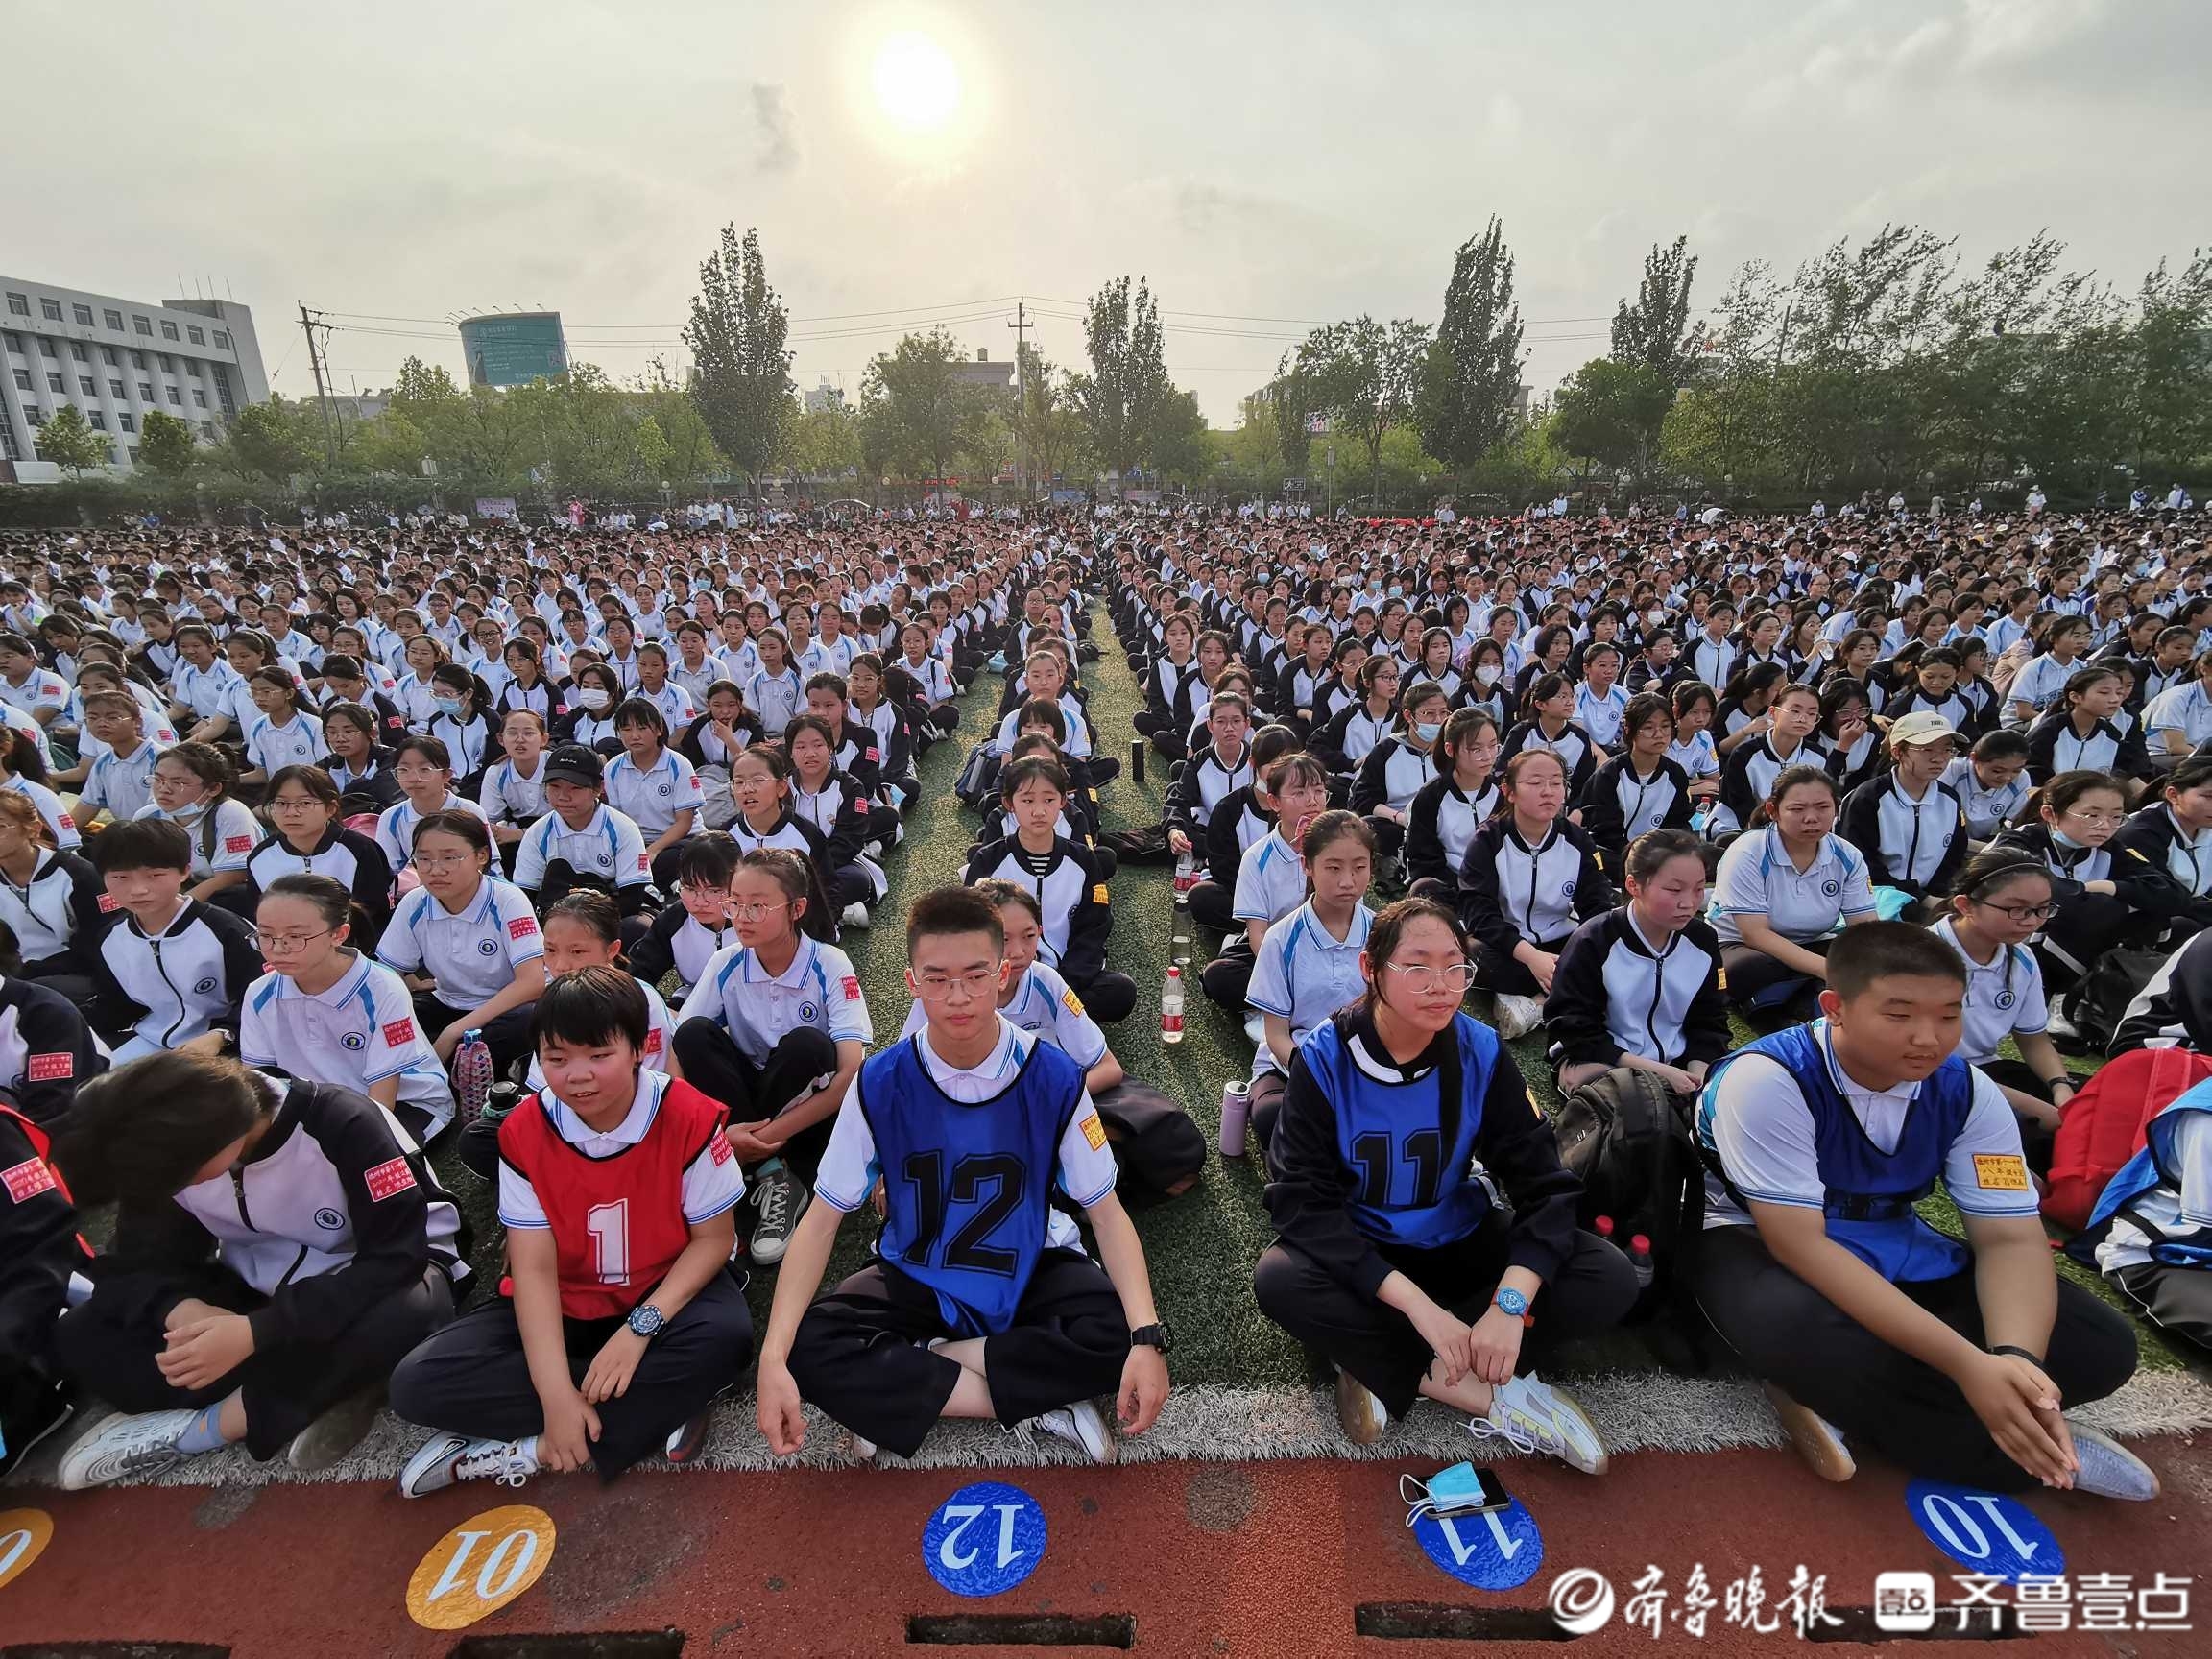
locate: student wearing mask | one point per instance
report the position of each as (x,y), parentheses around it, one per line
(1908,826)
(191,787)
(1398,766)
(1874,1333)
(1452,806)
(1403,1269)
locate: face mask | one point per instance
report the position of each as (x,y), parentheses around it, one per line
(1653,618)
(448,705)
(1489,673)
(1397,589)
(592,698)
(1426,729)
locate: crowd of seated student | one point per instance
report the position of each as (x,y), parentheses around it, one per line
(349,860)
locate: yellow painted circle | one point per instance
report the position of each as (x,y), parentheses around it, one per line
(24,1534)
(479,1567)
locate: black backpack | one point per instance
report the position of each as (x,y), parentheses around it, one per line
(2099,1002)
(1626,1136)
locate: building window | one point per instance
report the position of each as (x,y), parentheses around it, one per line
(115,388)
(46,346)
(192,367)
(137,358)
(168,366)
(192,333)
(53,382)
(223,339)
(130,423)
(108,357)
(8,449)
(145,391)
(51,308)
(84,385)
(15,344)
(33,415)
(114,320)
(223,393)
(19,304)
(83,314)
(133,454)
(208,430)
(175,397)
(140,323)
(98,421)
(168,329)
(78,351)
(199,398)
(23,380)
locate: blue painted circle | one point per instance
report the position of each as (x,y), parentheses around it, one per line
(1984,1532)
(984,1539)
(1495,1551)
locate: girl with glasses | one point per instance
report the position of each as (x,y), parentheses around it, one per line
(2102,897)
(467,941)
(1397,1263)
(2002,898)
(310,839)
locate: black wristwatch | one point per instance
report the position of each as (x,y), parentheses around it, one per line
(1152,1336)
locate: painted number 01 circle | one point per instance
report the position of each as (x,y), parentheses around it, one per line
(479,1567)
(24,1534)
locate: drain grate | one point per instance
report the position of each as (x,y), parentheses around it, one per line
(1445,1622)
(114,1650)
(1024,1630)
(612,1645)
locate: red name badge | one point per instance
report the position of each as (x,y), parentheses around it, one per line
(31,1177)
(399,1033)
(521,928)
(851,988)
(50,1068)
(389,1178)
(237,843)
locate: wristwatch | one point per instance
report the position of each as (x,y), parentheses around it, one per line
(645,1320)
(1152,1336)
(1512,1302)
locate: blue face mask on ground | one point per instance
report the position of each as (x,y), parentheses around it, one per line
(1453,1491)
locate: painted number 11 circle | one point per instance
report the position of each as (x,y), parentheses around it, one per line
(479,1567)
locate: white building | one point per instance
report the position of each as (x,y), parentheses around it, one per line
(116,360)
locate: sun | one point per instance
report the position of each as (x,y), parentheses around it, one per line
(917,84)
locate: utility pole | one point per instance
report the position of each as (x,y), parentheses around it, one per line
(1021,327)
(322,393)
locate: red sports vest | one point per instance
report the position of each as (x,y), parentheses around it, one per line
(619,1222)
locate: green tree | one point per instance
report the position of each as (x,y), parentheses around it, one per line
(166,447)
(265,443)
(1120,398)
(693,460)
(1471,381)
(742,378)
(1365,373)
(1655,329)
(916,411)
(1609,411)
(1045,419)
(68,441)
(825,443)
(1180,443)
(2172,415)
(390,445)
(1293,399)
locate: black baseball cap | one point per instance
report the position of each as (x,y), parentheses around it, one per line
(574,763)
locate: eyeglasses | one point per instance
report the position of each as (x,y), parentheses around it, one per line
(756,912)
(2022,915)
(293,802)
(2080,817)
(284,943)
(444,861)
(1422,976)
(939,987)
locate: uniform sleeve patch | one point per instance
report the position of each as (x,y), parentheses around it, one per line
(645,861)
(107,904)
(719,1149)
(1095,1132)
(237,843)
(66,821)
(399,1033)
(1071,1002)
(388,1179)
(851,988)
(1098,894)
(2001,1171)
(26,1180)
(50,1068)
(653,1041)
(522,926)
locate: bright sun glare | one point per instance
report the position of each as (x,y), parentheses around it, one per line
(917,85)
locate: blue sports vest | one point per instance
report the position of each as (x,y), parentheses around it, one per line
(1871,1193)
(968,1187)
(2148,1168)
(1412,1149)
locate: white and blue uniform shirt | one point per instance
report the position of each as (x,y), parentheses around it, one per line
(1270,881)
(818,990)
(396,827)
(236,833)
(652,796)
(1757,879)
(1988,810)
(472,952)
(1303,973)
(610,847)
(357,1033)
(296,742)
(2004,996)
(2186,709)
(509,796)
(122,783)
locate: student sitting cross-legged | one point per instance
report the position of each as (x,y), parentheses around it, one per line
(616,1187)
(982,1303)
(1873,1332)
(1390,1256)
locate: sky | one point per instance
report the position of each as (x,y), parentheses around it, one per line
(1267,164)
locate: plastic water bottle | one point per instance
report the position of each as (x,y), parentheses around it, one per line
(1603,1228)
(1186,876)
(472,1076)
(1640,1258)
(1172,1007)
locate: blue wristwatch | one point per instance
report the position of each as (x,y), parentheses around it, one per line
(1511,1302)
(645,1320)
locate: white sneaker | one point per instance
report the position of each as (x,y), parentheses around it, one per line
(855,916)
(2108,1469)
(1533,1417)
(780,1199)
(445,1459)
(863,1448)
(1360,1411)
(2056,1023)
(1082,1427)
(1518,1015)
(141,1443)
(1818,1441)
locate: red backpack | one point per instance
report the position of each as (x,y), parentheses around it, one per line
(2103,1126)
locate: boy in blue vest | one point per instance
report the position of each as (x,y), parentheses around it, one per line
(1873,1330)
(982,1302)
(2151,1234)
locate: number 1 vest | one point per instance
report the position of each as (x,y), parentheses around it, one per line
(1869,1193)
(967,1187)
(1410,1144)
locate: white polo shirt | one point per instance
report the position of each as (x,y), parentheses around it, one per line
(1756,878)
(1304,973)
(711,1186)
(1271,881)
(652,796)
(298,742)
(818,990)
(608,846)
(122,783)
(472,952)
(2004,996)
(358,1032)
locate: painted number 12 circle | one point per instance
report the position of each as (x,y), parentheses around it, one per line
(984,1539)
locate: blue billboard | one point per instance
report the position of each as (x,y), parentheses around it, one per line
(513,348)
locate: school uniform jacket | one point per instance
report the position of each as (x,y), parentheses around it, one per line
(1619,804)
(1391,776)
(2175,1009)
(1074,901)
(840,811)
(2153,834)
(676,942)
(335,1210)
(372,788)
(46,1050)
(1440,825)
(60,913)
(1171,693)
(1749,771)
(173,988)
(1573,746)
(1350,734)
(39,1240)
(1511,891)
(346,856)
(1616,994)
(2054,746)
(1237,825)
(1916,847)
